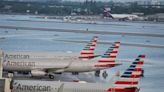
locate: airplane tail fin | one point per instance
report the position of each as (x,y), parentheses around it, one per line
(108,59)
(128,82)
(135,69)
(107,13)
(88,51)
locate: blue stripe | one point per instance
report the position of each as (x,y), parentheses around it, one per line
(127,72)
(126,76)
(137,59)
(133,66)
(112,47)
(107,54)
(129,69)
(135,63)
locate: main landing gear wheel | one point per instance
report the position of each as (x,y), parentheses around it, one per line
(97,73)
(105,74)
(51,76)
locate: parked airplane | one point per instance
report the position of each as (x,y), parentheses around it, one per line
(119,16)
(86,53)
(47,67)
(128,82)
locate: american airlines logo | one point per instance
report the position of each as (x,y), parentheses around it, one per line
(16,56)
(23,64)
(33,88)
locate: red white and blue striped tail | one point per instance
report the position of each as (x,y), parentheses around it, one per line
(88,51)
(108,59)
(135,68)
(128,82)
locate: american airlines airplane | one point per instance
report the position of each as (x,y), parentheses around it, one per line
(86,53)
(119,16)
(47,67)
(128,82)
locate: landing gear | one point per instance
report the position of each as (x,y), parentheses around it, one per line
(75,73)
(97,73)
(51,76)
(105,74)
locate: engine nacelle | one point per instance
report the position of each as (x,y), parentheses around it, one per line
(38,73)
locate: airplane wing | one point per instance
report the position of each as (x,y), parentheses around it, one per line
(108,59)
(88,51)
(128,81)
(58,68)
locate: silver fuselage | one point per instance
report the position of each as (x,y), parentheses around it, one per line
(55,86)
(51,65)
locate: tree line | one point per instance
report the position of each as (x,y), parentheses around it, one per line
(89,7)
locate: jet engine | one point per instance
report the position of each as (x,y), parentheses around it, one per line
(38,73)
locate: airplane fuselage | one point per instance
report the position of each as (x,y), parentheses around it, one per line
(124,16)
(55,86)
(50,65)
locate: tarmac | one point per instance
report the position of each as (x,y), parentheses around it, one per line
(85,31)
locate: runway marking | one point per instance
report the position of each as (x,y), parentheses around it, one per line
(85,31)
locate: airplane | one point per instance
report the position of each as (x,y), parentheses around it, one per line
(107,13)
(128,82)
(86,54)
(48,67)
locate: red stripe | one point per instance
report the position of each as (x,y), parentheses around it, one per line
(132,89)
(114,52)
(105,66)
(142,56)
(93,41)
(87,52)
(126,82)
(85,57)
(134,76)
(106,61)
(112,57)
(91,48)
(92,45)
(141,62)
